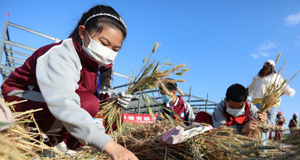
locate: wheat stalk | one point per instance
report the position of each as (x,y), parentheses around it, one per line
(149,77)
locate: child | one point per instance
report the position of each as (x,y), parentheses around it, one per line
(280,120)
(293,124)
(234,111)
(175,103)
(61,78)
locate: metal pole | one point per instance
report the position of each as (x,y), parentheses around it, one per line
(206,103)
(202,99)
(190,94)
(139,107)
(20,45)
(2,40)
(122,75)
(9,47)
(32,31)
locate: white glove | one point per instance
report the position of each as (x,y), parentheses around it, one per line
(124,99)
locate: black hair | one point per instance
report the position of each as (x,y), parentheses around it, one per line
(261,73)
(99,23)
(295,117)
(170,84)
(236,93)
(278,115)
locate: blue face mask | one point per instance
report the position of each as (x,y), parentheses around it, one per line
(166,98)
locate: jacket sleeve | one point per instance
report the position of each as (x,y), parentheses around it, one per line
(189,111)
(253,110)
(218,117)
(58,72)
(287,89)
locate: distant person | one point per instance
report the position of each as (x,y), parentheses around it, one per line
(294,124)
(175,102)
(266,76)
(280,120)
(62,79)
(235,112)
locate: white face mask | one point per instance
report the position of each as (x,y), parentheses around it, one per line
(235,112)
(100,53)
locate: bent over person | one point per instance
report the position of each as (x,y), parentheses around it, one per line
(234,111)
(61,78)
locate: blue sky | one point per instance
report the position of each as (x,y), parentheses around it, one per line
(221,42)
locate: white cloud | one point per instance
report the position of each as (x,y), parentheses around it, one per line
(254,56)
(265,49)
(293,19)
(267,46)
(264,54)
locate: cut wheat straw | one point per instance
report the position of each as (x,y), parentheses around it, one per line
(149,77)
(23,141)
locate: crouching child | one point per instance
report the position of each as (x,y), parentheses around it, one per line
(175,102)
(234,111)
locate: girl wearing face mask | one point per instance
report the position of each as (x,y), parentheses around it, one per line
(68,78)
(266,76)
(176,103)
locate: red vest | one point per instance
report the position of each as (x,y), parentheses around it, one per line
(179,109)
(280,121)
(243,119)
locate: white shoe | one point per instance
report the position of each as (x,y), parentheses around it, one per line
(64,148)
(61,147)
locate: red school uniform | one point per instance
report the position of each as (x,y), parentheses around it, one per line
(179,108)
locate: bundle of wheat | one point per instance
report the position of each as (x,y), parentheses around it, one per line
(149,77)
(8,150)
(274,91)
(28,141)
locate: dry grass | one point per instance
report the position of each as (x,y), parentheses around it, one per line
(293,152)
(222,143)
(148,77)
(21,141)
(143,140)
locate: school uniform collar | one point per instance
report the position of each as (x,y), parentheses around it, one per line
(175,104)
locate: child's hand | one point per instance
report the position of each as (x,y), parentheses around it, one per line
(262,117)
(118,152)
(251,125)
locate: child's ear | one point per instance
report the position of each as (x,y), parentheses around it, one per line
(81,31)
(174,92)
